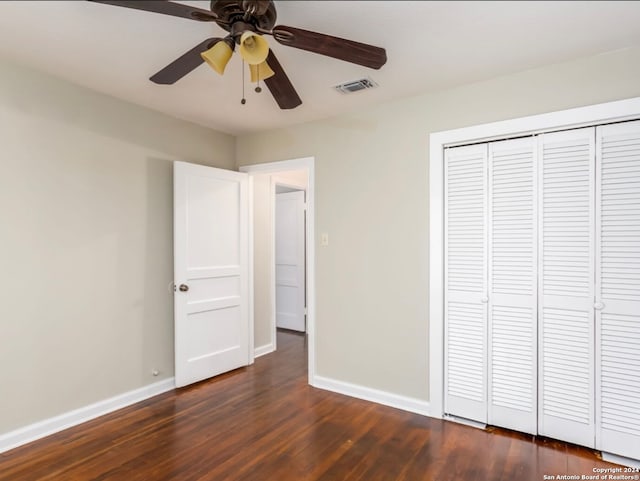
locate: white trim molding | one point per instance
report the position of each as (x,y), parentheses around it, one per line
(262,350)
(38,430)
(272,262)
(405,403)
(617,111)
(252,350)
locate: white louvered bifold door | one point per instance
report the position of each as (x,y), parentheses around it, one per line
(512,341)
(465,282)
(618,288)
(566,286)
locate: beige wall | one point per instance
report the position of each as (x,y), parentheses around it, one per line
(262,304)
(85,243)
(372,199)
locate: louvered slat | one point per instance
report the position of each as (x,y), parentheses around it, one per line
(619,225)
(574,360)
(512,357)
(620,375)
(618,288)
(566,286)
(465,379)
(512,284)
(566,224)
(465,281)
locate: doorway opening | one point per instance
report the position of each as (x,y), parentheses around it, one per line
(282,232)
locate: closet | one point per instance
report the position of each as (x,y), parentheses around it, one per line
(542,285)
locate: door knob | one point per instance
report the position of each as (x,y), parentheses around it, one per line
(183,288)
(484,300)
(598,306)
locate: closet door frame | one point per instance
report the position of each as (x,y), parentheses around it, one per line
(617,111)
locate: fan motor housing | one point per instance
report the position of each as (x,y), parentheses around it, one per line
(231,11)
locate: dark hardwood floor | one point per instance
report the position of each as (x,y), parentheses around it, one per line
(265,423)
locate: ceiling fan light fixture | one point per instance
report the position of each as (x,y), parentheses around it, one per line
(260,72)
(218,56)
(254,49)
(246,21)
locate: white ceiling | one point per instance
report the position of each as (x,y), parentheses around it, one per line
(430,46)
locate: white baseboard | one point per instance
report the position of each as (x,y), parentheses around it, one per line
(38,430)
(262,350)
(413,405)
(614,458)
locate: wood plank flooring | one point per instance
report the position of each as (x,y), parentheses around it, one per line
(265,423)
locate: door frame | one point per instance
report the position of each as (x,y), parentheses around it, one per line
(617,111)
(308,164)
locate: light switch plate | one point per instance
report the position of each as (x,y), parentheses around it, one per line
(324,239)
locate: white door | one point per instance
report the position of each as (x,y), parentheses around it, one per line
(466,296)
(290,261)
(211,271)
(513,356)
(618,288)
(566,286)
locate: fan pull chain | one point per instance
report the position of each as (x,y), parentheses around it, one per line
(244,100)
(258,88)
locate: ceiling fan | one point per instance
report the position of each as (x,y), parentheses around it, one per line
(247,21)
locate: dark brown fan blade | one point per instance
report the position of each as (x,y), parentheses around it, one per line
(167,8)
(280,86)
(183,64)
(347,50)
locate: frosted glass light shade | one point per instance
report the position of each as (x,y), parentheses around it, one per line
(254,49)
(260,72)
(218,56)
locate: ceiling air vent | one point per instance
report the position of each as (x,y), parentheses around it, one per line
(356,85)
